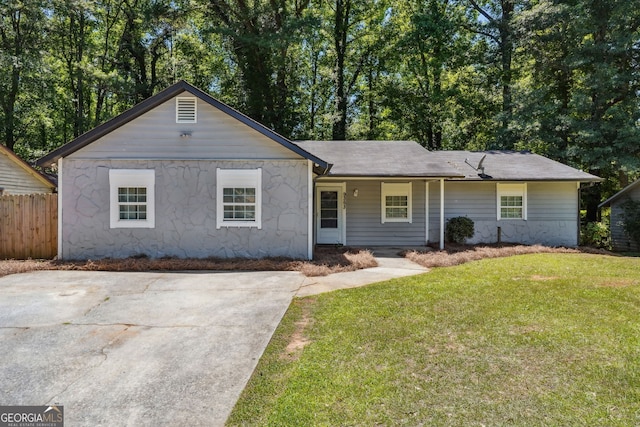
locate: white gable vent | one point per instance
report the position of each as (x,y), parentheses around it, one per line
(186,110)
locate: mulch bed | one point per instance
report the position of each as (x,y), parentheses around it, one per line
(327,260)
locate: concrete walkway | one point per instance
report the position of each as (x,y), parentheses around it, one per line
(390,266)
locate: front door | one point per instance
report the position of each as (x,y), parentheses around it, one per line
(330,214)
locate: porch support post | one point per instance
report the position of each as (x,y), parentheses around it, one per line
(441,213)
(426,212)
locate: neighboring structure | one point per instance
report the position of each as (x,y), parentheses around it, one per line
(389,186)
(17,177)
(182,174)
(619,239)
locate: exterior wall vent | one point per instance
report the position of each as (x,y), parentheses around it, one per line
(186,110)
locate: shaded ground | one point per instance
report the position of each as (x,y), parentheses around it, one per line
(327,260)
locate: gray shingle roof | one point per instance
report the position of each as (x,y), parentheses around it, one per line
(619,194)
(409,159)
(511,166)
(379,159)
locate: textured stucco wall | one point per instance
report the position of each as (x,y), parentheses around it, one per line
(185,224)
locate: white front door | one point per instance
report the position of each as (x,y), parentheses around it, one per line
(330,211)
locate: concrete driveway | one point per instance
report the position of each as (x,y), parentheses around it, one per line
(136,349)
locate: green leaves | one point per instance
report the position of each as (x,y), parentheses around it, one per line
(561,78)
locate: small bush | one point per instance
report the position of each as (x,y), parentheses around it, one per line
(596,235)
(459,229)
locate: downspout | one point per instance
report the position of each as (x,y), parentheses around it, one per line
(310,187)
(578,213)
(441,213)
(426,212)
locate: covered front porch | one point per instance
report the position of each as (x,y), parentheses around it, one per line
(379,212)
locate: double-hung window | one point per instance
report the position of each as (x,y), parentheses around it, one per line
(396,202)
(132,198)
(512,201)
(239,195)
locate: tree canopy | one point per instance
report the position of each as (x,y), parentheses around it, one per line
(557,77)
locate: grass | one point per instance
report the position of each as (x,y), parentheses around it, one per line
(535,340)
(326,261)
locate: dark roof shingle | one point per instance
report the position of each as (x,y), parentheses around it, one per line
(511,166)
(409,159)
(379,159)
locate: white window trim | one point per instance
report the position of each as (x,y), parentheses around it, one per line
(131,178)
(511,190)
(238,178)
(195,108)
(396,189)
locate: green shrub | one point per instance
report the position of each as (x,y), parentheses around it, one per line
(595,234)
(459,229)
(631,220)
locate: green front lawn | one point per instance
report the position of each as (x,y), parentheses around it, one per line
(535,340)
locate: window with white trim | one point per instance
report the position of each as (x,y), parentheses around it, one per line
(132,198)
(239,197)
(396,202)
(186,109)
(512,201)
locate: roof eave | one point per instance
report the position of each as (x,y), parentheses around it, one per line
(110,125)
(269,133)
(493,179)
(397,176)
(152,102)
(27,167)
(619,194)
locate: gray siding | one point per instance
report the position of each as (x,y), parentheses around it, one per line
(156,135)
(185,211)
(16,180)
(552,212)
(619,240)
(556,201)
(364,226)
(551,220)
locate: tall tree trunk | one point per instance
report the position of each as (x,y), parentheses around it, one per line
(371,133)
(502,24)
(436,143)
(9,108)
(341,29)
(506,55)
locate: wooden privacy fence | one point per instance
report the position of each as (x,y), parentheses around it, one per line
(28,226)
